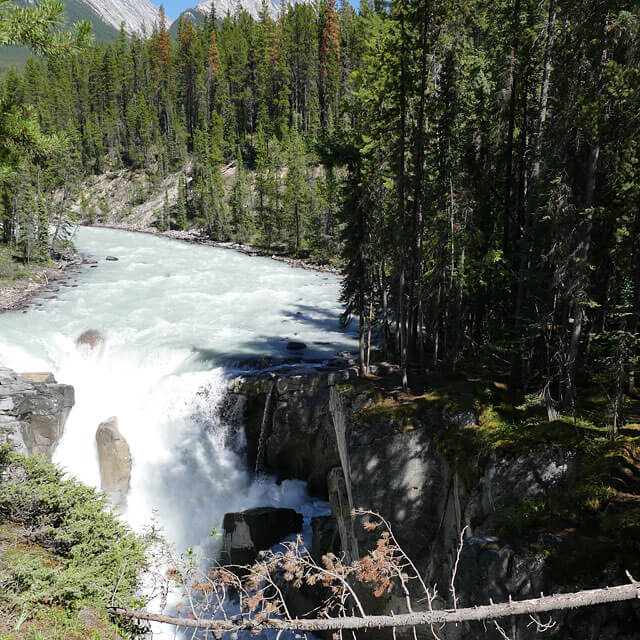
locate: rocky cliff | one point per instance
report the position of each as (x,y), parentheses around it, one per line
(33,411)
(422,464)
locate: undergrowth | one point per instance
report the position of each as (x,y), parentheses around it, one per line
(588,529)
(62,553)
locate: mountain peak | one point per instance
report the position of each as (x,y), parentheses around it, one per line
(253,7)
(133,13)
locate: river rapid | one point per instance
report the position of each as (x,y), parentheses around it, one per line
(175,317)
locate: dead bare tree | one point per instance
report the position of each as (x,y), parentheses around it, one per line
(226,599)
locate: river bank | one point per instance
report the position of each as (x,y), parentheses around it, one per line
(18,287)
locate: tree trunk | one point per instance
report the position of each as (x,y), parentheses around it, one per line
(543,604)
(402,307)
(512,85)
(585,243)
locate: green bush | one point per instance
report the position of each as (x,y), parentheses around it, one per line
(79,552)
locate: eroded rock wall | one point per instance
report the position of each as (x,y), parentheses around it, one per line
(33,411)
(398,467)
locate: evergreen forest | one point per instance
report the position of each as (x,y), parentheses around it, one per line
(472,167)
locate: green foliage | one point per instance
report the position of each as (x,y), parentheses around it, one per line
(473,167)
(94,556)
(38,27)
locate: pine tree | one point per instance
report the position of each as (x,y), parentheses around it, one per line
(297,194)
(239,203)
(181,207)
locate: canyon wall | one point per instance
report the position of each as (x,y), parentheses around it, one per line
(33,411)
(363,449)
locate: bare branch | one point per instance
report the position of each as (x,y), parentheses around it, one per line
(543,604)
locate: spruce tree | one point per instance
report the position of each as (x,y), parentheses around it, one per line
(181,206)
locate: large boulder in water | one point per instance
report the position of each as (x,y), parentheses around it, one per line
(114,458)
(90,337)
(248,532)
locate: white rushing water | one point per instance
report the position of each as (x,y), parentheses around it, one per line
(170,314)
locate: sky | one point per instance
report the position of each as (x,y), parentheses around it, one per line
(174,8)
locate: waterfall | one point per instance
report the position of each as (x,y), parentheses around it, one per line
(172,316)
(259,470)
(162,368)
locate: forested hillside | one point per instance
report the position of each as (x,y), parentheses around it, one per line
(473,164)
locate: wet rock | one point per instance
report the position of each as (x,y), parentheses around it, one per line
(112,259)
(90,337)
(300,440)
(294,345)
(33,411)
(248,532)
(114,458)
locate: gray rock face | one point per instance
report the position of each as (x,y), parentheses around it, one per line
(33,411)
(300,441)
(507,481)
(398,470)
(114,458)
(248,532)
(325,537)
(91,337)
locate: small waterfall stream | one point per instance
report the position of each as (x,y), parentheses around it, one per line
(260,462)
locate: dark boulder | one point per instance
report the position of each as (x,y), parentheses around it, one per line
(248,532)
(294,345)
(91,337)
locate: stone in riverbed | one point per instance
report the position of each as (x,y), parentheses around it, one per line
(248,532)
(112,259)
(294,345)
(114,458)
(90,337)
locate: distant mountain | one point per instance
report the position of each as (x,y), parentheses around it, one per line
(202,10)
(104,15)
(133,13)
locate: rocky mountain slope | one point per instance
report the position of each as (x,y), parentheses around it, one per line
(105,16)
(253,7)
(135,14)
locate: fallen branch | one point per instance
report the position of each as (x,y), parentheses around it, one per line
(542,604)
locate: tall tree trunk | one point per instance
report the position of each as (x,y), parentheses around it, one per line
(634,325)
(418,195)
(512,85)
(584,246)
(544,96)
(402,307)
